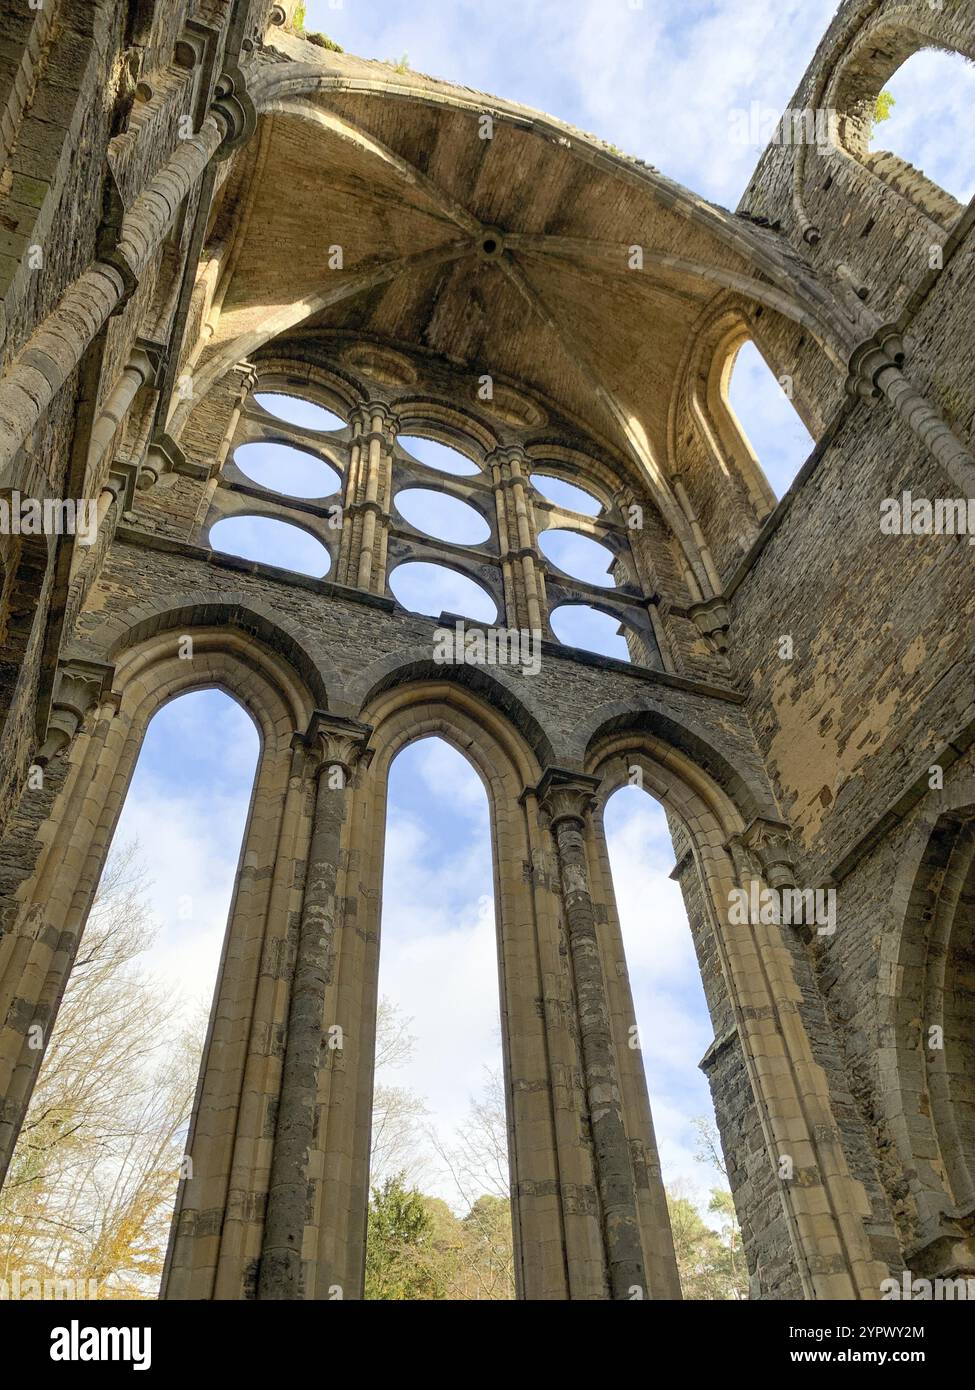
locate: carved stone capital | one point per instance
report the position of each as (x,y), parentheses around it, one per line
(162,456)
(250,377)
(363,415)
(884,349)
(334,741)
(79,686)
(566,796)
(122,482)
(149,358)
(234,109)
(769,845)
(509,453)
(713,621)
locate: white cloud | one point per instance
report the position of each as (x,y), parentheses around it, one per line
(190,852)
(660,81)
(671,1013)
(929,125)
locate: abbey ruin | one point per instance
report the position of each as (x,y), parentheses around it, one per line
(199,202)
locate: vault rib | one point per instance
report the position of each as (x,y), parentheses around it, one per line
(636,440)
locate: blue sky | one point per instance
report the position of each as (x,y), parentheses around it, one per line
(656,79)
(662,80)
(186,809)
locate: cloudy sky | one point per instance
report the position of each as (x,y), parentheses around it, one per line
(665,80)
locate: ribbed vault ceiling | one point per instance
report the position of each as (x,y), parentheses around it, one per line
(400,178)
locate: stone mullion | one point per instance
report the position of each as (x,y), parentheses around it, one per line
(68,813)
(365,984)
(217,1223)
(566,799)
(582,1272)
(353,982)
(642,555)
(658,1243)
(521,533)
(339,745)
(537,1195)
(374,503)
(499,476)
(261,922)
(351,524)
(528,548)
(346,888)
(247,384)
(386,499)
(757,1015)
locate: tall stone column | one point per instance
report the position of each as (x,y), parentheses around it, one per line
(567,798)
(335,748)
(247,384)
(524,584)
(347,567)
(875,374)
(36,956)
(365,531)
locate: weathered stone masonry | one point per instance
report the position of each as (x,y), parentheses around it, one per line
(187,229)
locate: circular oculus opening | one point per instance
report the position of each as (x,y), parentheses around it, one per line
(269,541)
(578,556)
(443,517)
(296,410)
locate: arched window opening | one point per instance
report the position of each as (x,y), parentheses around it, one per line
(439,1212)
(281,468)
(767,419)
(271,542)
(579,625)
(935,1020)
(923,116)
(674,1031)
(957,1085)
(437,455)
(579,557)
(443,517)
(295,410)
(434,589)
(96,1168)
(567,495)
(23,564)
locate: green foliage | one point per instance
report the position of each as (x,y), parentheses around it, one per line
(710,1262)
(323,41)
(883,106)
(298,18)
(402,65)
(399,1245)
(417,1248)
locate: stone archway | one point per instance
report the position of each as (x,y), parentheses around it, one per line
(239,1077)
(556,1226)
(926,1076)
(822,1203)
